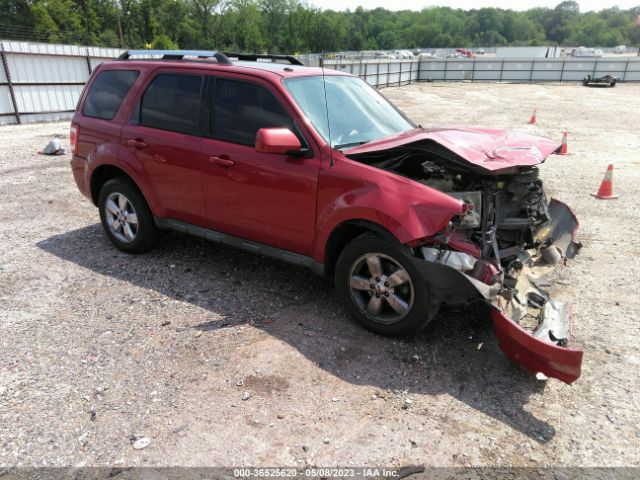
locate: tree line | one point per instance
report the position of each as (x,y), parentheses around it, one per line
(294,26)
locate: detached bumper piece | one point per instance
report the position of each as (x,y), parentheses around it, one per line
(535,354)
(533,329)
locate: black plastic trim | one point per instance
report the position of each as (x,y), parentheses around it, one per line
(242,243)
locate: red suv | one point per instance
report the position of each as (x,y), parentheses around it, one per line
(317,168)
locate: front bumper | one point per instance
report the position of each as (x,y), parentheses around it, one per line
(532,329)
(535,354)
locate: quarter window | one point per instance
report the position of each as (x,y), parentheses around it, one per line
(172,102)
(107,92)
(243,108)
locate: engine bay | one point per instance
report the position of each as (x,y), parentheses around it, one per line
(503,210)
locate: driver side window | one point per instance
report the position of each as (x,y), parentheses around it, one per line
(242,108)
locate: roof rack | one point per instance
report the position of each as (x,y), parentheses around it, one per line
(255,57)
(221,57)
(176,54)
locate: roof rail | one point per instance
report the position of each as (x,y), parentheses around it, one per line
(176,54)
(254,57)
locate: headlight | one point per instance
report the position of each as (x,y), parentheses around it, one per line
(473,217)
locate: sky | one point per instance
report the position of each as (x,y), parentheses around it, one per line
(585,5)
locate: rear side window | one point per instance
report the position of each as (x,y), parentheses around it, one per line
(243,108)
(107,92)
(172,102)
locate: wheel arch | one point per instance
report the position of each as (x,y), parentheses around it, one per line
(345,232)
(105,172)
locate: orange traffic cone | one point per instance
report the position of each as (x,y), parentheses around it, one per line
(533,118)
(605,192)
(563,144)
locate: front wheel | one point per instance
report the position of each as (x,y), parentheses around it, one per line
(380,287)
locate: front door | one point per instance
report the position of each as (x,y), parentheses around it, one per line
(268,198)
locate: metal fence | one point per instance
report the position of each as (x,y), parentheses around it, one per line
(569,69)
(387,73)
(42,82)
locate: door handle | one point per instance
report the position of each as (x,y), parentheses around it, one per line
(137,143)
(222,160)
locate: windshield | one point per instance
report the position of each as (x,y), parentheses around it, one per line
(357,112)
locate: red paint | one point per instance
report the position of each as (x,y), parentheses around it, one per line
(276,140)
(533,354)
(489,149)
(293,203)
(459,241)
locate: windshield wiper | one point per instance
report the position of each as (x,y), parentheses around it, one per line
(352,144)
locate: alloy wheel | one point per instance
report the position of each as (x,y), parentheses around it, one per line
(122,219)
(381,288)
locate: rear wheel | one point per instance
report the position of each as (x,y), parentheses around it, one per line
(380,287)
(126,217)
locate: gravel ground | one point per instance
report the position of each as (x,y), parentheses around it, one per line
(215,357)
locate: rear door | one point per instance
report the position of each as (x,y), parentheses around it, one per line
(165,134)
(268,198)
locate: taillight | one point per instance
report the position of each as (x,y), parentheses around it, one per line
(74,132)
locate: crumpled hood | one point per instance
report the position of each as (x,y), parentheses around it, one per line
(489,149)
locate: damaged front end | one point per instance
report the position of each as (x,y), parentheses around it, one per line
(504,249)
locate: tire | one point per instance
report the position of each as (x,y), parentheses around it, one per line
(353,268)
(141,234)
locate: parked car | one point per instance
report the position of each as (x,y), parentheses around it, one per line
(317,168)
(607,80)
(403,54)
(586,52)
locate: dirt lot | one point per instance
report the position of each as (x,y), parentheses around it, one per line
(99,349)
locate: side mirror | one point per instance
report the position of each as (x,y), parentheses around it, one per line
(278,140)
